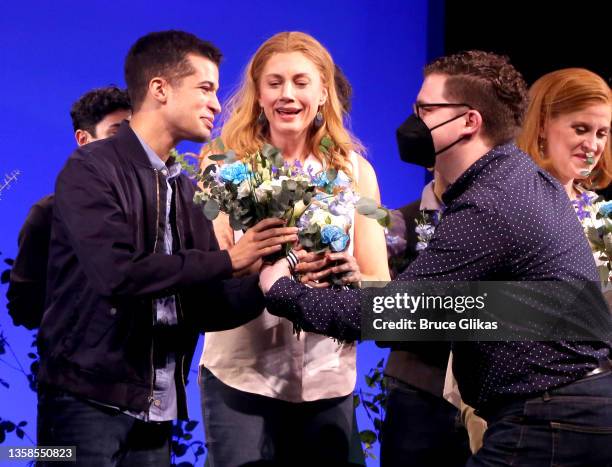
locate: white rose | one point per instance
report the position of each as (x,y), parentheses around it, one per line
(322,217)
(263,190)
(244,189)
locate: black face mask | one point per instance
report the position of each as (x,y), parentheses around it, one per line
(415,143)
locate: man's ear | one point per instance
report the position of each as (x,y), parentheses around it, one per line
(83,137)
(158,88)
(473,122)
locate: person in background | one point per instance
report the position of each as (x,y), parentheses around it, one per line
(421,427)
(96,115)
(567,132)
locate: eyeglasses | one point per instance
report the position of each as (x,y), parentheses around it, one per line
(416,107)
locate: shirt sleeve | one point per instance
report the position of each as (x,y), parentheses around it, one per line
(331,312)
(471,243)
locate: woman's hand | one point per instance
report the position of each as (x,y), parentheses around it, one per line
(340,264)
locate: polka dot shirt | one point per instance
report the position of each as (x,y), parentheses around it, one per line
(506,219)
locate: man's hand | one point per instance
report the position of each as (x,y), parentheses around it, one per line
(264,238)
(270,273)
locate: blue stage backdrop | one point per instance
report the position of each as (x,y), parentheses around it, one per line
(53,52)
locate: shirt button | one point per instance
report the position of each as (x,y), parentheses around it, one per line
(157,403)
(164,171)
(113,311)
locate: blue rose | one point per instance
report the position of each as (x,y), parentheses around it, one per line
(234,173)
(606,209)
(320,179)
(334,237)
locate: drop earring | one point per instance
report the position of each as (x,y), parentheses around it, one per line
(318,120)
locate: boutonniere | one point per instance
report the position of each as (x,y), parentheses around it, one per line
(426,223)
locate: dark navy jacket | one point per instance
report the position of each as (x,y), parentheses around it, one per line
(106,265)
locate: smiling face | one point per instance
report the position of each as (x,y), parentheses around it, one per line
(192,101)
(570,139)
(290,94)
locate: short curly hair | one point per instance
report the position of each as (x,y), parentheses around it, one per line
(96,104)
(489,84)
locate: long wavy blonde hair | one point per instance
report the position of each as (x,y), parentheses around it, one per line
(245,135)
(561,92)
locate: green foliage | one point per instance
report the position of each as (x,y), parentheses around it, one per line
(374,402)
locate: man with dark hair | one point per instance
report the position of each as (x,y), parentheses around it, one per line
(135,271)
(152,56)
(505,219)
(96,115)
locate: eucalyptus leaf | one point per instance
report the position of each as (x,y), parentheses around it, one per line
(290,185)
(277,160)
(268,150)
(326,144)
(593,236)
(236,223)
(385,221)
(218,143)
(366,206)
(230,156)
(217,157)
(211,209)
(604,273)
(608,242)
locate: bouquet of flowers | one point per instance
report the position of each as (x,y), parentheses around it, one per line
(595,215)
(262,185)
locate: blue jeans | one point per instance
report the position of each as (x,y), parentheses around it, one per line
(244,429)
(567,426)
(421,430)
(104,437)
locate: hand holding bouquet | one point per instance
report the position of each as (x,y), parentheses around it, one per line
(262,185)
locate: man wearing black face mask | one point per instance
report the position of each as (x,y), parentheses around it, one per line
(546,402)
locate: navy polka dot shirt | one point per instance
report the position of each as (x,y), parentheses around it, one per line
(506,219)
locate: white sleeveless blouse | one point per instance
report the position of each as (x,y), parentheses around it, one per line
(265,357)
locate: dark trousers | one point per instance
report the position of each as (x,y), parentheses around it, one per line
(568,427)
(244,429)
(421,430)
(103,437)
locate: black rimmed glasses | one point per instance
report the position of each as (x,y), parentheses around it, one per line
(417,106)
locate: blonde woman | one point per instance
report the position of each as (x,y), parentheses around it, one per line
(268,395)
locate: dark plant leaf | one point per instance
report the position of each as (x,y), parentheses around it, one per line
(179,449)
(217,157)
(367,436)
(191,425)
(5,276)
